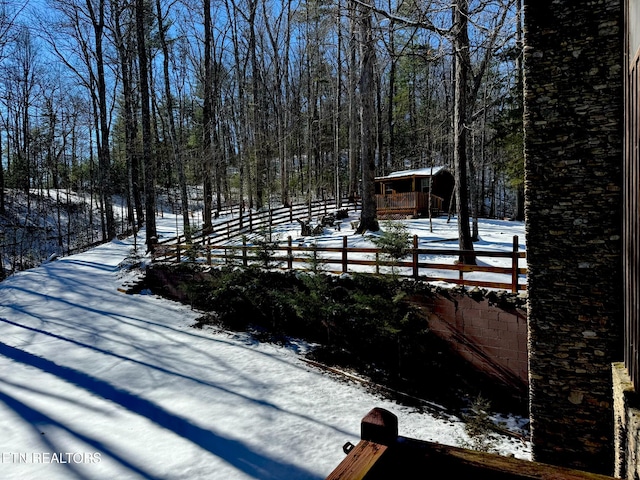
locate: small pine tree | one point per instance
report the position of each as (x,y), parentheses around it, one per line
(479,427)
(394,242)
(313,259)
(267,249)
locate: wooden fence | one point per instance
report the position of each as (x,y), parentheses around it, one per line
(345,259)
(248,221)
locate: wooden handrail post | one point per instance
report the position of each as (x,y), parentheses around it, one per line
(416,271)
(344,254)
(379,426)
(514,265)
(289,254)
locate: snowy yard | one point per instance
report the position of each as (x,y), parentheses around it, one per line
(97,384)
(439,234)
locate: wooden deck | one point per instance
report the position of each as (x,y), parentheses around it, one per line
(382,454)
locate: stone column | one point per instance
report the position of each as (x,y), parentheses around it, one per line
(573,160)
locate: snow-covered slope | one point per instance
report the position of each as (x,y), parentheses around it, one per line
(97,384)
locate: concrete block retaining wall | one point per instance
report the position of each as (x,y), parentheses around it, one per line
(490,334)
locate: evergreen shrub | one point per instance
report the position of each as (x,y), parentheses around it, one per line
(360,321)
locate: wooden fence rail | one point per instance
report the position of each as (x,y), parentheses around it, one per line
(340,259)
(248,221)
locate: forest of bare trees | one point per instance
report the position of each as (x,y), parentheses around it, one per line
(113,109)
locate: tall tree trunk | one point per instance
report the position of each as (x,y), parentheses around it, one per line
(353,107)
(462,65)
(519,214)
(281,89)
(368,220)
(147,151)
(2,193)
(391,99)
(104,155)
(123,44)
(241,110)
(207,121)
(338,108)
(257,119)
(177,152)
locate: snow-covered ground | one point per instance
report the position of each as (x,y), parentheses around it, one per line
(98,384)
(439,234)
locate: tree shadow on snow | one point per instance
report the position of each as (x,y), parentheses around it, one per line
(157,368)
(40,421)
(233,452)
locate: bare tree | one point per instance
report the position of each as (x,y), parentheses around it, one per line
(97,16)
(280,87)
(8,16)
(124,38)
(177,151)
(462,63)
(207,120)
(147,150)
(80,32)
(368,220)
(258,110)
(352,103)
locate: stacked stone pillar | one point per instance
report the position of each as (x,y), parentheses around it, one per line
(573,160)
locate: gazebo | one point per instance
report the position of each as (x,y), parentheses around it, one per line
(411,192)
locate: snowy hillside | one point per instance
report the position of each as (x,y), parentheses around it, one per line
(97,384)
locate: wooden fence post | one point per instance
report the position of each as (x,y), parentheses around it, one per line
(178,254)
(250,222)
(289,254)
(244,251)
(514,265)
(209,251)
(344,254)
(291,213)
(415,257)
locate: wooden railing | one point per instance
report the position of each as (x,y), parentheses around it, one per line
(344,259)
(408,201)
(382,454)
